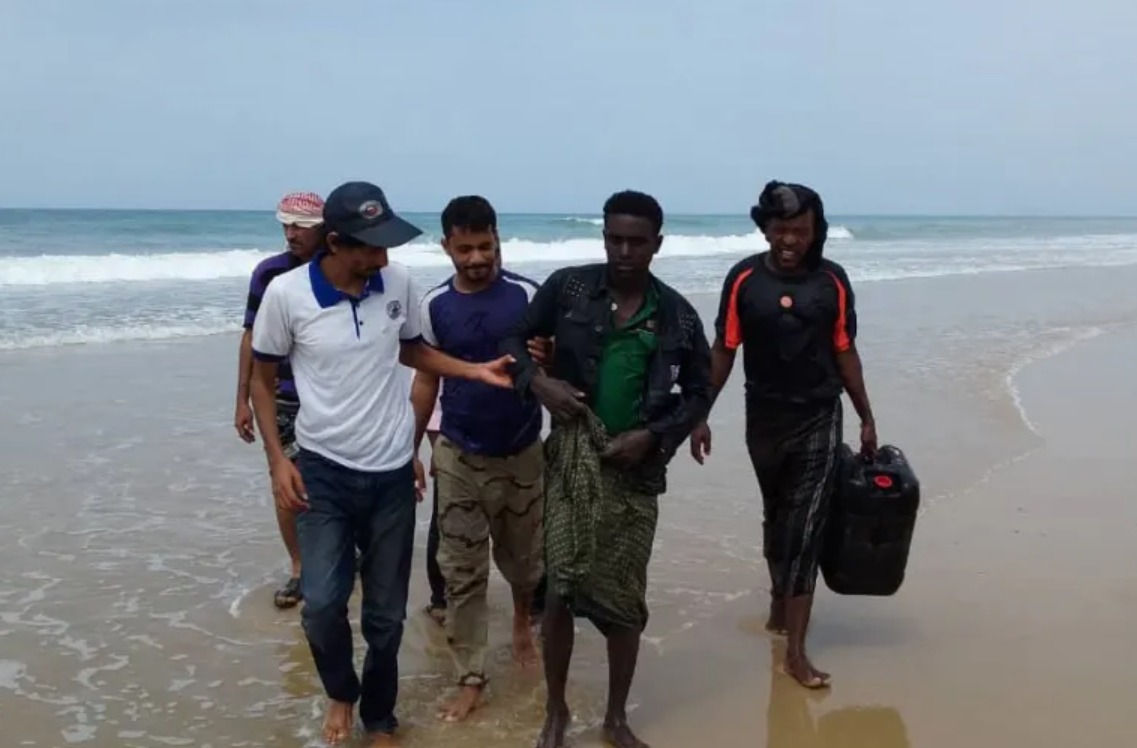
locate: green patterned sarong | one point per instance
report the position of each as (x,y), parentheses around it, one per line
(599,528)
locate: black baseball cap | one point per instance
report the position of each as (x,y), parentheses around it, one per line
(360,210)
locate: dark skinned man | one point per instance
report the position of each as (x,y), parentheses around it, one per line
(793,313)
(624,341)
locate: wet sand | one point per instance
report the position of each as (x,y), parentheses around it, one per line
(138,555)
(1014,627)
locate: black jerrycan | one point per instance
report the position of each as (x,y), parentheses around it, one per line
(871,521)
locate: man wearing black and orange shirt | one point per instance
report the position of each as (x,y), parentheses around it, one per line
(793,314)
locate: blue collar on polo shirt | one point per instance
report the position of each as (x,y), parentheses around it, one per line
(328,295)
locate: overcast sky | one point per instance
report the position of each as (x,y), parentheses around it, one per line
(885,106)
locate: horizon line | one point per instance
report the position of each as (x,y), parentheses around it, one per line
(699,214)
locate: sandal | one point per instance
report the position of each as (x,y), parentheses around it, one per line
(289,595)
(436,613)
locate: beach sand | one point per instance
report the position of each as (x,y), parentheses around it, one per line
(139,554)
(1014,627)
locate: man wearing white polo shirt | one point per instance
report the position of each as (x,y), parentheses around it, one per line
(345,321)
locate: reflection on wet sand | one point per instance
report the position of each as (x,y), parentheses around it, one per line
(791,721)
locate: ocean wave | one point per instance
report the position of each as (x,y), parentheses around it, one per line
(47,270)
(693,261)
(1069,337)
(85,334)
(52,316)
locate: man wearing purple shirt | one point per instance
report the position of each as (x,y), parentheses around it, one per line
(301,214)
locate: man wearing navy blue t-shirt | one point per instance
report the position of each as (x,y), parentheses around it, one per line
(488,458)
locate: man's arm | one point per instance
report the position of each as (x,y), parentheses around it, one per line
(244,366)
(424,396)
(262,388)
(722,363)
(538,321)
(695,391)
(728,329)
(853,378)
(242,410)
(728,338)
(271,344)
(422,358)
(424,389)
(416,353)
(243,417)
(257,286)
(845,344)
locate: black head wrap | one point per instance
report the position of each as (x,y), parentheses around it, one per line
(782,200)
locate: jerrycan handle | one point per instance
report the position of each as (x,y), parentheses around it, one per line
(881,480)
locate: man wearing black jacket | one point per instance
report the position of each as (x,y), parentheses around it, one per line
(624,342)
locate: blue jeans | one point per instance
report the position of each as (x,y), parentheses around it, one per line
(376,513)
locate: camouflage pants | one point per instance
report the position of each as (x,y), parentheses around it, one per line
(482,499)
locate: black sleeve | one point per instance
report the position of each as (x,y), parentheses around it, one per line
(850,310)
(539,320)
(695,390)
(845,328)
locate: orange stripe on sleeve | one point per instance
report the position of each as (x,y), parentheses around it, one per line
(841,342)
(733,321)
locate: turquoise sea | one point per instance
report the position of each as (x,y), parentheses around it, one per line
(90,276)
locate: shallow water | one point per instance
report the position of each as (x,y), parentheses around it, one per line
(139,553)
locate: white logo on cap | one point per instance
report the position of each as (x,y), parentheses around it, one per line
(371,209)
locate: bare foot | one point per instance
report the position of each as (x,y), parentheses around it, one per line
(382,740)
(617,733)
(776,624)
(468,699)
(524,647)
(339,722)
(802,670)
(556,723)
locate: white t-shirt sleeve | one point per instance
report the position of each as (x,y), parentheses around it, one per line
(412,326)
(530,289)
(272,329)
(426,324)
